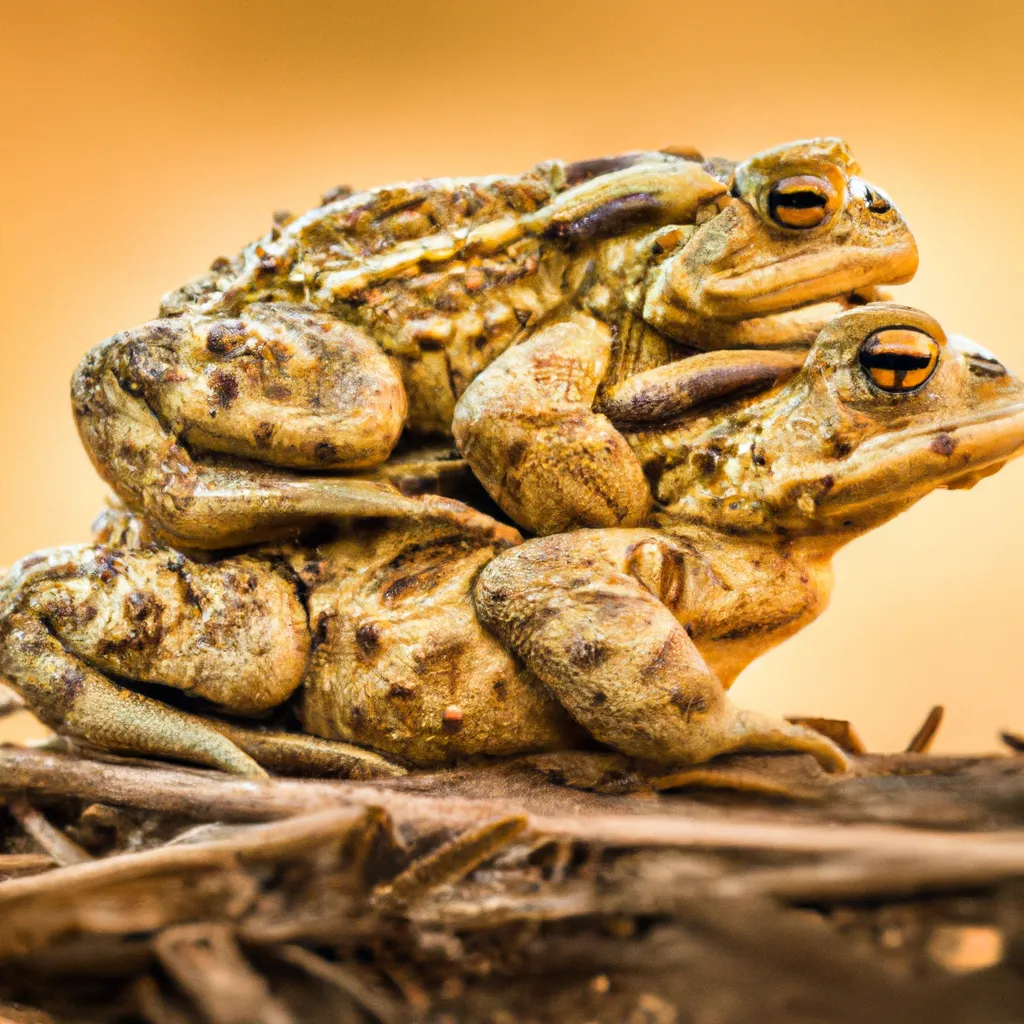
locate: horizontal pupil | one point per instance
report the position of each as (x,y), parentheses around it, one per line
(894,361)
(799,200)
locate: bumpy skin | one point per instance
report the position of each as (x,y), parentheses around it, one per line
(432,644)
(318,346)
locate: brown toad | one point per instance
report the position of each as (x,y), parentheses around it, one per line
(431,644)
(225,421)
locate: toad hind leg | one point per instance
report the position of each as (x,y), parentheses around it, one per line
(573,607)
(168,412)
(233,633)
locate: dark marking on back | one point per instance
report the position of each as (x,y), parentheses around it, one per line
(224,386)
(368,638)
(325,452)
(585,654)
(689,704)
(617,216)
(319,637)
(224,336)
(263,433)
(943,444)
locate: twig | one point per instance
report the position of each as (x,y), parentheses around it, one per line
(1014,741)
(23,863)
(450,863)
(256,843)
(369,997)
(630,823)
(206,962)
(923,738)
(60,848)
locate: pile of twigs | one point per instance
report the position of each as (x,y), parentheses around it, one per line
(571,888)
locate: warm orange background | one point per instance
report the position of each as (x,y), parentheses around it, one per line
(139,140)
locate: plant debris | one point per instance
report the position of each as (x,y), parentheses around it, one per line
(558,888)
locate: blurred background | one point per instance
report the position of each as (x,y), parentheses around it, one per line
(138,141)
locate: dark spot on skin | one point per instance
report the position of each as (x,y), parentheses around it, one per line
(105,567)
(451,720)
(515,452)
(368,638)
(827,483)
(319,637)
(689,704)
(943,444)
(399,692)
(141,604)
(262,435)
(598,699)
(840,449)
(431,345)
(760,460)
(705,461)
(225,387)
(585,653)
(400,588)
(523,316)
(357,719)
(325,452)
(277,392)
(73,680)
(225,336)
(500,689)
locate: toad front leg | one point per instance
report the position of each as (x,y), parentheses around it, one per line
(548,449)
(589,614)
(528,429)
(169,411)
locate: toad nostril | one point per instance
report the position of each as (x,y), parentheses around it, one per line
(985,366)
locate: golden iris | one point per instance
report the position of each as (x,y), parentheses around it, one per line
(801,202)
(899,359)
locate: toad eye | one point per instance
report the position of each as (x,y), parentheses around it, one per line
(802,202)
(899,359)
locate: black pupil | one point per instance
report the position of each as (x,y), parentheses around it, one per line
(797,200)
(893,361)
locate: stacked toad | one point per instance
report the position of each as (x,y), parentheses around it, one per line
(671,370)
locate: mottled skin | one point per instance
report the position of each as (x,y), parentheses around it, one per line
(309,354)
(431,644)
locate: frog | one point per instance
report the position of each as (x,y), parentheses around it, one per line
(421,645)
(270,392)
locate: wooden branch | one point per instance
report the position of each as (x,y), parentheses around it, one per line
(503,890)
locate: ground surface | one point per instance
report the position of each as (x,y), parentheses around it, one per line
(551,889)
